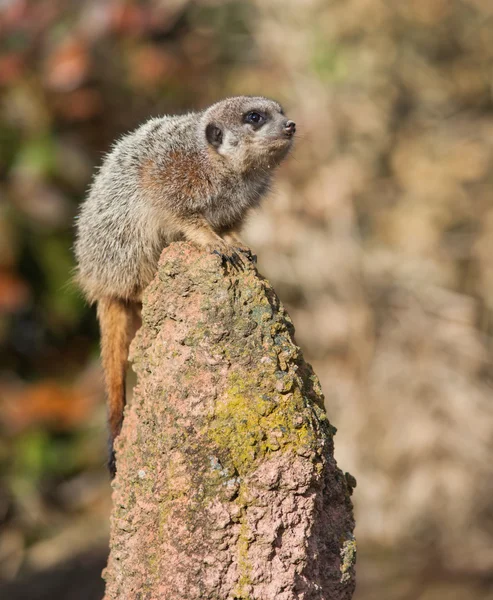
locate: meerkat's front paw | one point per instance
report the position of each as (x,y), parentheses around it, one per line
(237,243)
(233,259)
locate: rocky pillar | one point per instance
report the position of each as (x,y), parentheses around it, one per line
(227,487)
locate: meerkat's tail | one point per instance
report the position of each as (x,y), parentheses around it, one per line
(118,323)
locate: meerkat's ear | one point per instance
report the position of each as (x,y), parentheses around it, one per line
(214,135)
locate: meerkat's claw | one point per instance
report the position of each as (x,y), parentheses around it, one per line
(237,261)
(249,254)
(233,259)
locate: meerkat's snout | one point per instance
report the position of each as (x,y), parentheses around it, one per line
(290,128)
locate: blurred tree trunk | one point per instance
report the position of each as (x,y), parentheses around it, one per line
(227,487)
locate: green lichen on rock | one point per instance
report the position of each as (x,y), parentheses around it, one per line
(244,566)
(249,422)
(272,400)
(348,559)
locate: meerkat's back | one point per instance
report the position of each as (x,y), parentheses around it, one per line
(119,236)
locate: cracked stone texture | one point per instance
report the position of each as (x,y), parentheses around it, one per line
(227,487)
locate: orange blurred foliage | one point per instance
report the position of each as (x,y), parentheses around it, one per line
(46,403)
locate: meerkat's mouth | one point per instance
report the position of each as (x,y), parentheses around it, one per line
(279,145)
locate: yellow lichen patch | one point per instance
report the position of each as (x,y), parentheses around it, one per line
(244,566)
(348,559)
(248,423)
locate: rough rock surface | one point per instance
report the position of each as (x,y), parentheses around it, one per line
(226,487)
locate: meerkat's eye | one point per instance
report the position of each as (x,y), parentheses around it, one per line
(255,118)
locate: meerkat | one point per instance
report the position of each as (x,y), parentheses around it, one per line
(188,177)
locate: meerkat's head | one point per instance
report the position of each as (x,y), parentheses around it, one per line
(248,132)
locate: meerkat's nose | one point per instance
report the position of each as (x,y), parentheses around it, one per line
(290,127)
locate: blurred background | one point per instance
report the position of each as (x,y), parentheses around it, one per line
(378,236)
